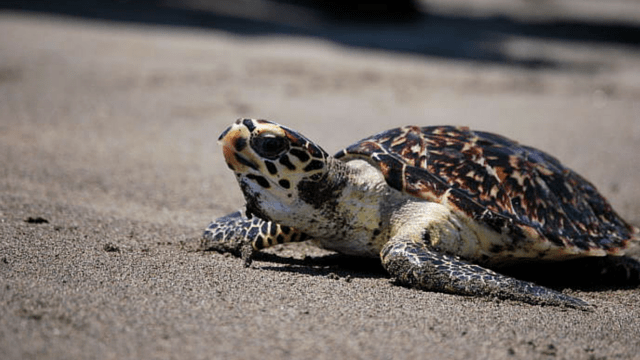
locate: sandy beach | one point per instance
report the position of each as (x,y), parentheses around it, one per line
(110,171)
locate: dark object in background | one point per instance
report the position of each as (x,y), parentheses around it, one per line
(362,10)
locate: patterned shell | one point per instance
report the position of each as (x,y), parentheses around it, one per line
(514,189)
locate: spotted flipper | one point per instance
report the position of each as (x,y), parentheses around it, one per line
(415,265)
(243,236)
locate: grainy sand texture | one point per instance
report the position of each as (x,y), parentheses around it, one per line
(109,172)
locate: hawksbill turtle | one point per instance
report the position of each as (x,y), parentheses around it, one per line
(439,205)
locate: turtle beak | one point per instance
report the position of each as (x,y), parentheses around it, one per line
(224,133)
(233,141)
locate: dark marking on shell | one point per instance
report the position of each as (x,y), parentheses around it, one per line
(392,170)
(419,181)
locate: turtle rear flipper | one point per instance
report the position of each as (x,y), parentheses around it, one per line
(415,265)
(242,236)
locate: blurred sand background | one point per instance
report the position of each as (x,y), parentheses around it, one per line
(109,170)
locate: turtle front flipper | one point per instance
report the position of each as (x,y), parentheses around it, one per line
(415,265)
(243,236)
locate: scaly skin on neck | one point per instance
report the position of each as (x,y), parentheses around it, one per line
(346,210)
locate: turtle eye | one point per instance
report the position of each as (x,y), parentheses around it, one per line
(269,146)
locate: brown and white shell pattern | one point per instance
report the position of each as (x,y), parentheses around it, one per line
(513,189)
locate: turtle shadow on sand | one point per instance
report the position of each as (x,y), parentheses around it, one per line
(324,265)
(585,274)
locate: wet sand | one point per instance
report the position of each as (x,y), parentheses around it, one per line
(110,171)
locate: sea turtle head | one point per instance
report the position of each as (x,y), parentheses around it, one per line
(272,165)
